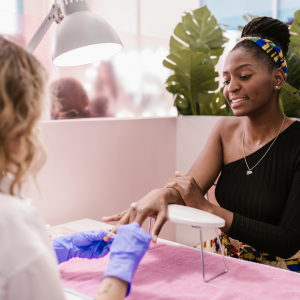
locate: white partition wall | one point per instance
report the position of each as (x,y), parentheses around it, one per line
(98,167)
(191,136)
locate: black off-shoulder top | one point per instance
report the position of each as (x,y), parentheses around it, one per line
(266,204)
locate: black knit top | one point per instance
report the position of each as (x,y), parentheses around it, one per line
(266,204)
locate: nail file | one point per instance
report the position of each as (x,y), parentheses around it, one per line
(108,232)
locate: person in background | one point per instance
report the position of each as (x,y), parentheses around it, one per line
(28,265)
(69,99)
(107,86)
(99,108)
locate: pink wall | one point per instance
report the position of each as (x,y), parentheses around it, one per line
(98,167)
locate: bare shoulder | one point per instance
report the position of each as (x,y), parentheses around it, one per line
(227,127)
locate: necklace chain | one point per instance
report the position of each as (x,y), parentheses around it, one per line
(250,170)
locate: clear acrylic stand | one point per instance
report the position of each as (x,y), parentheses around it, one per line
(196,218)
(202,256)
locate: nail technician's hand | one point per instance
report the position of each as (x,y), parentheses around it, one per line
(189,190)
(154,204)
(126,252)
(85,244)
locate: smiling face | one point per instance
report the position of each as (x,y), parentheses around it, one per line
(250,85)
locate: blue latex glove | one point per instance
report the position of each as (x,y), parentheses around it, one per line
(85,244)
(126,252)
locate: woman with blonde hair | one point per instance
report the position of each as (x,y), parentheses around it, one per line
(28,266)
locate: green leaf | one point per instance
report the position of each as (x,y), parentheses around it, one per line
(190,25)
(181,33)
(193,80)
(195,49)
(293,71)
(200,32)
(199,46)
(217,106)
(208,86)
(173,67)
(290,101)
(248,17)
(181,102)
(175,45)
(295,35)
(203,98)
(216,51)
(240,28)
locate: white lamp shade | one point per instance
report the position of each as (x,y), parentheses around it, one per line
(83,38)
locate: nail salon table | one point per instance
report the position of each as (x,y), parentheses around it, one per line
(173,271)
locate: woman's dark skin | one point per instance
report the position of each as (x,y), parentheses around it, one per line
(244,77)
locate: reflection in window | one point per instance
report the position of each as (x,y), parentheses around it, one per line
(69,100)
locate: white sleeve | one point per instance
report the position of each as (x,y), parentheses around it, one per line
(38,281)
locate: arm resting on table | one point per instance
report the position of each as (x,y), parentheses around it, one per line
(112,288)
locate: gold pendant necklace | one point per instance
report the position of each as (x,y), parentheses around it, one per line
(250,170)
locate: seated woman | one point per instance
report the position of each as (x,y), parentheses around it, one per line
(28,266)
(69,99)
(258,153)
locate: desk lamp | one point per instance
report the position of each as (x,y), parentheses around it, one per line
(81,37)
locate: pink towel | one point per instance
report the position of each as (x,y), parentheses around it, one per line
(172,272)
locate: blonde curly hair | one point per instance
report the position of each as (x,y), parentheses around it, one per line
(22,87)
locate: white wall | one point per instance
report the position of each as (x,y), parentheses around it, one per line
(191,136)
(120,14)
(37,8)
(98,167)
(9,6)
(158,17)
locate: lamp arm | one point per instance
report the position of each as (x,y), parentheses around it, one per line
(55,15)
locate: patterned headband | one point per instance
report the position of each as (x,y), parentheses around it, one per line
(274,51)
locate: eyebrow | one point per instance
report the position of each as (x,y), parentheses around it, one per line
(239,67)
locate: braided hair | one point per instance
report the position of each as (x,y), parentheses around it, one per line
(266,28)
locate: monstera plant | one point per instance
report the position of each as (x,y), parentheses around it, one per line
(289,96)
(295,36)
(195,48)
(290,93)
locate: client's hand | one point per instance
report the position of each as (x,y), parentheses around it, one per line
(189,190)
(154,204)
(85,244)
(126,252)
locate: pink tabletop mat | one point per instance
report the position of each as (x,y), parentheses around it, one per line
(172,272)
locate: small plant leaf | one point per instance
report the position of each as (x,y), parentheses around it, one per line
(290,101)
(193,80)
(200,32)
